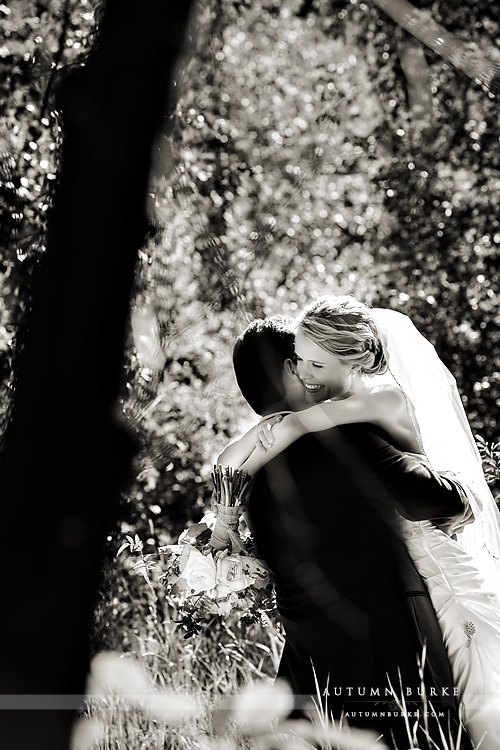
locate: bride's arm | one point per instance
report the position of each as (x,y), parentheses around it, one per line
(366,407)
(239,449)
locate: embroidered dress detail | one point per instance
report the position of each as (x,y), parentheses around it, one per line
(469,632)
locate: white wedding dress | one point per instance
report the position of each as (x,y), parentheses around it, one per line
(461,572)
(468,615)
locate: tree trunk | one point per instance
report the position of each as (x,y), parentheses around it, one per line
(66,455)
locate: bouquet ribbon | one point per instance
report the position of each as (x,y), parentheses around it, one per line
(225,533)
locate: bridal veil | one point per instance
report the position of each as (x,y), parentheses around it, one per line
(444,432)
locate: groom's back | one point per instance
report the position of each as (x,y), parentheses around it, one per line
(309,508)
(342,574)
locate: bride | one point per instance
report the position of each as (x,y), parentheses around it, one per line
(414,399)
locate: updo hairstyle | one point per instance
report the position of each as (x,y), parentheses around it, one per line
(345,328)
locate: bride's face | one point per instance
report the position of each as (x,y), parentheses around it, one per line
(324,376)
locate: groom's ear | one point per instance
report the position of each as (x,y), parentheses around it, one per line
(290,367)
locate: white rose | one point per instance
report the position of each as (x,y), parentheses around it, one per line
(199,571)
(230,573)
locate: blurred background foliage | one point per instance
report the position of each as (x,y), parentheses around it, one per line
(313,147)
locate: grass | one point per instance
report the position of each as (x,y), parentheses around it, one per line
(208,668)
(165,691)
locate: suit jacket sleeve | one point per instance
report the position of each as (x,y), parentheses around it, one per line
(386,475)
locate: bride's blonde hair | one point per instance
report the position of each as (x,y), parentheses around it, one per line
(345,328)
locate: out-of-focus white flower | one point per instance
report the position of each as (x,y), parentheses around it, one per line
(200,572)
(86,734)
(123,676)
(111,672)
(168,706)
(257,705)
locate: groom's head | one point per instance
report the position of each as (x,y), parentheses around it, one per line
(263,360)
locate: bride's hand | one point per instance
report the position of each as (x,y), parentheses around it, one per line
(265,437)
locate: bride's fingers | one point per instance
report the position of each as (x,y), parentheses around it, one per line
(262,438)
(265,436)
(269,433)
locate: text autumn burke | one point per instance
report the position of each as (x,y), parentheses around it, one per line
(370,692)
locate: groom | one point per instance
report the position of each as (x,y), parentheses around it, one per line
(355,611)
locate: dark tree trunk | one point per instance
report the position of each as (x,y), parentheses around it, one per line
(65,455)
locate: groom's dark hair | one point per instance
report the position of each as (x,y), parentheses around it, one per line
(259,358)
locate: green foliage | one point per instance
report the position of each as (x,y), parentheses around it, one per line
(291,167)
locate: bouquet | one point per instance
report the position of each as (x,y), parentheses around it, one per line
(214,569)
(231,488)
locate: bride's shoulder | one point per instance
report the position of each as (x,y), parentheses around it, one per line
(387,396)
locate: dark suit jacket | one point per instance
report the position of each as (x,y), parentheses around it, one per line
(351,600)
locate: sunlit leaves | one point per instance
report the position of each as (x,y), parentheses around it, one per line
(288,167)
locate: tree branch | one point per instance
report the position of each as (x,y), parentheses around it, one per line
(466,57)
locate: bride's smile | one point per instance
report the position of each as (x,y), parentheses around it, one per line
(323,375)
(311,387)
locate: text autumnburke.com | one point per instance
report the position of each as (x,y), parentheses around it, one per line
(390,714)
